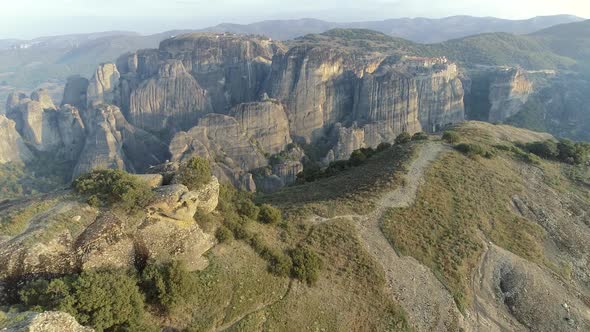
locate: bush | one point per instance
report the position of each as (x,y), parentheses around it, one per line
(113,187)
(170,285)
(573,153)
(223,234)
(403,138)
(279,264)
(104,300)
(473,150)
(383,146)
(357,158)
(306,265)
(269,214)
(421,136)
(451,137)
(194,174)
(547,149)
(247,208)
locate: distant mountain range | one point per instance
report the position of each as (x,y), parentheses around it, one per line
(421,30)
(47,61)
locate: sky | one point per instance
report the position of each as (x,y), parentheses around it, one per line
(26,19)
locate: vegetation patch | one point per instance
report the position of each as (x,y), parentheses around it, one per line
(113,188)
(461,198)
(194,174)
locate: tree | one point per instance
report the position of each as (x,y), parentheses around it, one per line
(306,265)
(269,214)
(113,187)
(357,158)
(170,285)
(403,138)
(421,136)
(194,174)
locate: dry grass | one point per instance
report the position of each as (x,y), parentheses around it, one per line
(352,191)
(464,198)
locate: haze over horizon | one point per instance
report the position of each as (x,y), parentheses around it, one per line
(27,19)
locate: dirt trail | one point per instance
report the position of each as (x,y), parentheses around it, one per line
(424,298)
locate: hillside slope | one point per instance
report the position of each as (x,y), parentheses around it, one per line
(417,237)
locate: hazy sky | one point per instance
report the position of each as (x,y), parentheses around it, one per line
(31,18)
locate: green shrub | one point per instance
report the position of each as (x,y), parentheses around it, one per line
(357,158)
(113,187)
(279,264)
(403,138)
(170,285)
(306,265)
(269,214)
(194,174)
(421,136)
(451,137)
(106,300)
(473,150)
(383,146)
(248,209)
(223,234)
(547,149)
(573,153)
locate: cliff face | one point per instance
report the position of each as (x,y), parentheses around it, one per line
(266,122)
(316,84)
(112,142)
(496,94)
(12,147)
(238,100)
(509,91)
(191,75)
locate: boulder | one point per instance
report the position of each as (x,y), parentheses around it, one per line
(48,321)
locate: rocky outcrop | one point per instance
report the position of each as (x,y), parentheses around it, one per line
(266,122)
(317,86)
(112,142)
(411,95)
(12,146)
(61,236)
(42,97)
(75,92)
(171,100)
(218,138)
(48,321)
(232,68)
(191,75)
(103,85)
(509,91)
(177,202)
(45,128)
(495,94)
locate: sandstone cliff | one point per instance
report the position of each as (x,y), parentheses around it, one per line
(111,142)
(12,146)
(266,122)
(495,94)
(103,85)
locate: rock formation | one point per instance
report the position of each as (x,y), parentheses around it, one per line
(48,321)
(112,142)
(102,86)
(266,122)
(219,138)
(75,92)
(173,99)
(68,235)
(509,91)
(12,146)
(495,94)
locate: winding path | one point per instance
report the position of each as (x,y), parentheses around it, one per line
(423,297)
